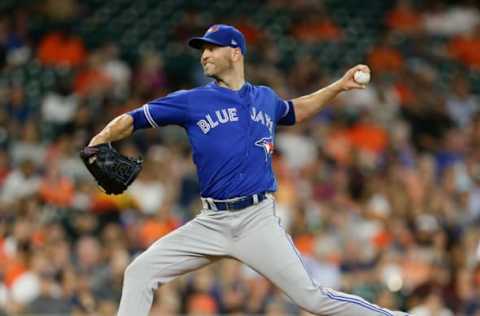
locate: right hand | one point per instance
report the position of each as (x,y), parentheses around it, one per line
(347,82)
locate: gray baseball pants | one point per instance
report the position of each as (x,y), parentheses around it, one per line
(252,235)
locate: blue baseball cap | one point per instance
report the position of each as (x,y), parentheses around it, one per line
(221,35)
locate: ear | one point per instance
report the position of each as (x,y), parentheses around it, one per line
(236,54)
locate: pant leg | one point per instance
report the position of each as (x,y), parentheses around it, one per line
(188,248)
(264,245)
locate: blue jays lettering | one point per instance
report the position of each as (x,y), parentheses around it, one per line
(223,116)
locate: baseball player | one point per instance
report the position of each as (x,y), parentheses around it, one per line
(231,127)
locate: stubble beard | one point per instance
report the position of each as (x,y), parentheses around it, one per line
(217,75)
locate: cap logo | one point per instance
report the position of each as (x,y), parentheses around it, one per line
(213,28)
(233,42)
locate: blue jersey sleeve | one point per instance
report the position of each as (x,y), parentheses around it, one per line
(171,109)
(285,111)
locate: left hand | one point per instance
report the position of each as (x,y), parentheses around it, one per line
(112,171)
(348,83)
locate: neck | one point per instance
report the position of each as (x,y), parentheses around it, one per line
(234,82)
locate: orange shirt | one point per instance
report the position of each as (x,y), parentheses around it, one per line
(3,255)
(14,269)
(338,146)
(202,304)
(385,59)
(323,30)
(368,137)
(56,50)
(405,93)
(152,229)
(91,80)
(305,243)
(59,192)
(403,20)
(251,33)
(466,50)
(382,239)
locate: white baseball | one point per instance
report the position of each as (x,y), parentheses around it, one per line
(361,77)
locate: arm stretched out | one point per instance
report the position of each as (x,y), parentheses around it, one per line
(119,128)
(309,105)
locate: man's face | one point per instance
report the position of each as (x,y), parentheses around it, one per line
(216,60)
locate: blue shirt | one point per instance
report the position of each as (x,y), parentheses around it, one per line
(231,133)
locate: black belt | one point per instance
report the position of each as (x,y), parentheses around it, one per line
(233,204)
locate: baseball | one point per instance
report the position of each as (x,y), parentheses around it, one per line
(361,77)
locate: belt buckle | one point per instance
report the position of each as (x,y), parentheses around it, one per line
(212,205)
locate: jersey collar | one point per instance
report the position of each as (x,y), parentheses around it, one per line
(246,86)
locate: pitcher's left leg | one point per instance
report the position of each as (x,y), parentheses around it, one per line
(269,250)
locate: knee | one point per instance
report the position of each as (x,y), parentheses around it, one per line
(311,300)
(307,303)
(136,271)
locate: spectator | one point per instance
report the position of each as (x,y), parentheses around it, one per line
(28,146)
(432,305)
(367,136)
(22,182)
(465,48)
(61,49)
(404,18)
(384,58)
(316,26)
(18,109)
(55,189)
(93,80)
(201,305)
(117,70)
(4,166)
(297,149)
(48,302)
(13,40)
(444,20)
(150,79)
(59,106)
(462,104)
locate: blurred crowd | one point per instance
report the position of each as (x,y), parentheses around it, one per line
(380,191)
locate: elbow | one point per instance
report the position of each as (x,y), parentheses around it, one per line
(127,124)
(299,119)
(301,112)
(300,116)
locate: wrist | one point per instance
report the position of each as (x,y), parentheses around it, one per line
(97,140)
(337,87)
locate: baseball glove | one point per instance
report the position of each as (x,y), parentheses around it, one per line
(112,171)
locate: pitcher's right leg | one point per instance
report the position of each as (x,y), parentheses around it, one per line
(188,248)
